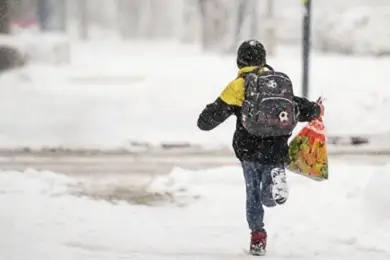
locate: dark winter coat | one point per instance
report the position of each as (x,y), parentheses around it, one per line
(248,147)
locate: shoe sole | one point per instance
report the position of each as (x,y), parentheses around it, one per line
(280,190)
(257,253)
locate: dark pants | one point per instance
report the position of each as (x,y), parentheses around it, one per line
(259,184)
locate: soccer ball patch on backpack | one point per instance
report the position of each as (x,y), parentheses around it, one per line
(268,108)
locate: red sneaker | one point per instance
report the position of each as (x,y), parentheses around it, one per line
(258,243)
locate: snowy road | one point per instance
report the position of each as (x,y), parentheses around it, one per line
(143,163)
(191,215)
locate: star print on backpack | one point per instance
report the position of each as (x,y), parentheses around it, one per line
(268,108)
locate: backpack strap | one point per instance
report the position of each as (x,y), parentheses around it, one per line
(269,67)
(256,71)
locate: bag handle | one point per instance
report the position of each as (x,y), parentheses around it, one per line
(320,101)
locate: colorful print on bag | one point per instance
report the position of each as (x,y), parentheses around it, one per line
(308,152)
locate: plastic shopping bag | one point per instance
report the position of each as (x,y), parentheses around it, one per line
(308,153)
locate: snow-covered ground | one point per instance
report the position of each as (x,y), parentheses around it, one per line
(42,217)
(116,92)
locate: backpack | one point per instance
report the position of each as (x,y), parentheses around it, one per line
(268,109)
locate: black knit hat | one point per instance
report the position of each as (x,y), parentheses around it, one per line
(251,53)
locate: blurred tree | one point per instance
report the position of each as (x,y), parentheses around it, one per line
(225,23)
(190,29)
(130,18)
(10,56)
(83,19)
(43,14)
(216,17)
(270,36)
(242,11)
(51,15)
(149,19)
(4,17)
(254,19)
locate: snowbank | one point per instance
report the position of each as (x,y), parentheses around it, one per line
(327,220)
(358,30)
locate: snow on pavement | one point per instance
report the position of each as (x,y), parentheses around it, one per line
(344,218)
(116,92)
